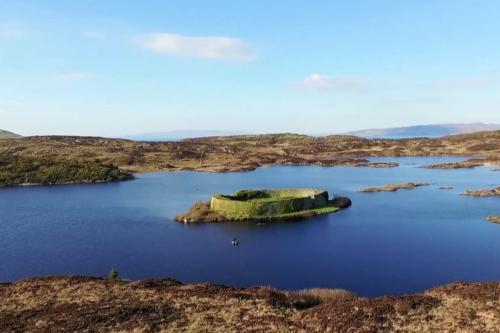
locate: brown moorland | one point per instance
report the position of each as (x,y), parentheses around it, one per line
(77,304)
(244,153)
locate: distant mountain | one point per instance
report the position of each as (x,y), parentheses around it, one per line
(178,135)
(8,135)
(428,131)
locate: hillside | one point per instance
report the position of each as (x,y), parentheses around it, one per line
(236,153)
(428,131)
(178,135)
(8,135)
(77,304)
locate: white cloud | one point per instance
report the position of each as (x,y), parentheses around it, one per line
(70,77)
(211,47)
(468,83)
(326,82)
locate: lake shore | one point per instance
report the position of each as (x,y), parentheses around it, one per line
(82,303)
(237,153)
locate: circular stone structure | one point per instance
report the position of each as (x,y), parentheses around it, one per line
(269,202)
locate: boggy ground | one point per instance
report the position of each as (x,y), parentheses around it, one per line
(86,304)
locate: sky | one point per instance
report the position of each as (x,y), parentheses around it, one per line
(114,68)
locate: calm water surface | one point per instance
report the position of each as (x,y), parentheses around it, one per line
(386,243)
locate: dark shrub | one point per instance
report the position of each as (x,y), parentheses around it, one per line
(250,194)
(341,202)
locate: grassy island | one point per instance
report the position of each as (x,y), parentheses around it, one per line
(264,205)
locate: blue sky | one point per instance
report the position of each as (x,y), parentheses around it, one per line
(112,68)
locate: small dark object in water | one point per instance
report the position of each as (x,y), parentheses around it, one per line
(234,242)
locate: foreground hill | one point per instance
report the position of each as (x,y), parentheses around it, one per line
(228,153)
(77,304)
(8,135)
(429,131)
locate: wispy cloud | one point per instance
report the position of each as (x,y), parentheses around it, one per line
(211,47)
(96,35)
(11,30)
(467,83)
(70,77)
(327,82)
(10,106)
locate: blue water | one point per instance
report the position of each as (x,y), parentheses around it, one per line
(386,243)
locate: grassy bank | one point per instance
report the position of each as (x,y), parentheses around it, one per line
(22,170)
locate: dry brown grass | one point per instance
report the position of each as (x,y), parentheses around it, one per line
(200,212)
(243,153)
(85,304)
(307,298)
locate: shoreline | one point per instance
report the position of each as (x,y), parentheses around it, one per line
(232,154)
(216,170)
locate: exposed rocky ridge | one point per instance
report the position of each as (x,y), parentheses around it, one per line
(77,304)
(244,153)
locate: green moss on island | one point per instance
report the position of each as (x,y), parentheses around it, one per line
(264,205)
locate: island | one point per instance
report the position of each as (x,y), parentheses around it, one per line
(264,205)
(469,164)
(393,187)
(483,192)
(494,219)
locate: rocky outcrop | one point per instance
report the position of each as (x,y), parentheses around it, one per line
(483,192)
(453,165)
(393,187)
(494,218)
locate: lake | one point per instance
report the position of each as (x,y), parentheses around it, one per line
(385,243)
